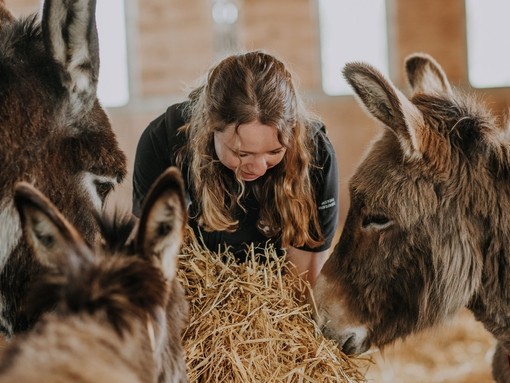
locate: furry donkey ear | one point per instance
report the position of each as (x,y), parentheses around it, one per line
(387,104)
(162,222)
(425,75)
(53,239)
(70,33)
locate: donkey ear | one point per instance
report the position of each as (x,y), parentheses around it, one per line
(425,75)
(69,30)
(53,239)
(388,105)
(162,222)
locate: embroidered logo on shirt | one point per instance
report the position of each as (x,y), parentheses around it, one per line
(327,204)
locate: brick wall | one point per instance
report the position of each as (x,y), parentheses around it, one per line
(171,45)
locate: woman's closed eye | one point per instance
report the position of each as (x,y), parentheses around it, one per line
(275,152)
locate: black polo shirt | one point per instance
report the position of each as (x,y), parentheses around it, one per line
(156,152)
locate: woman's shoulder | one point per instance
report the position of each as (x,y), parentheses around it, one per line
(178,114)
(170,120)
(164,128)
(161,135)
(323,146)
(174,117)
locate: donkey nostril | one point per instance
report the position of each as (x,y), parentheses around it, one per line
(349,346)
(351,340)
(354,343)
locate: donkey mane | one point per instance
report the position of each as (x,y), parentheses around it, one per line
(115,230)
(101,289)
(465,112)
(464,135)
(26,30)
(476,128)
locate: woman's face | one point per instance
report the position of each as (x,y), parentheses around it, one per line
(254,149)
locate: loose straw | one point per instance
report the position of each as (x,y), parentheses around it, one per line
(248,324)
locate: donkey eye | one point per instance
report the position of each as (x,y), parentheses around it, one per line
(377,221)
(103,188)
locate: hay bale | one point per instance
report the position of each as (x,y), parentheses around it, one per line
(247,323)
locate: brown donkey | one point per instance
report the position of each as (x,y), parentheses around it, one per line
(119,310)
(428,228)
(53,133)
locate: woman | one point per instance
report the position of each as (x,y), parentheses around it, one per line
(257,167)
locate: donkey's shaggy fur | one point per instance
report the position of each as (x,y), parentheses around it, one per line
(53,133)
(118,315)
(428,228)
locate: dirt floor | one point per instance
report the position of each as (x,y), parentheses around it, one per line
(459,352)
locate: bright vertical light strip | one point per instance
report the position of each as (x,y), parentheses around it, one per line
(351,30)
(113,89)
(488,31)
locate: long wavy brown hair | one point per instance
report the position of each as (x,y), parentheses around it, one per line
(253,86)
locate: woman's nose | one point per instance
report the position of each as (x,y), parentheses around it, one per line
(258,166)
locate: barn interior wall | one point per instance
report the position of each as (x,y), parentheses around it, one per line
(171,45)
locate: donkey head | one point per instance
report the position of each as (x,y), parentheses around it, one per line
(127,284)
(423,209)
(54,133)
